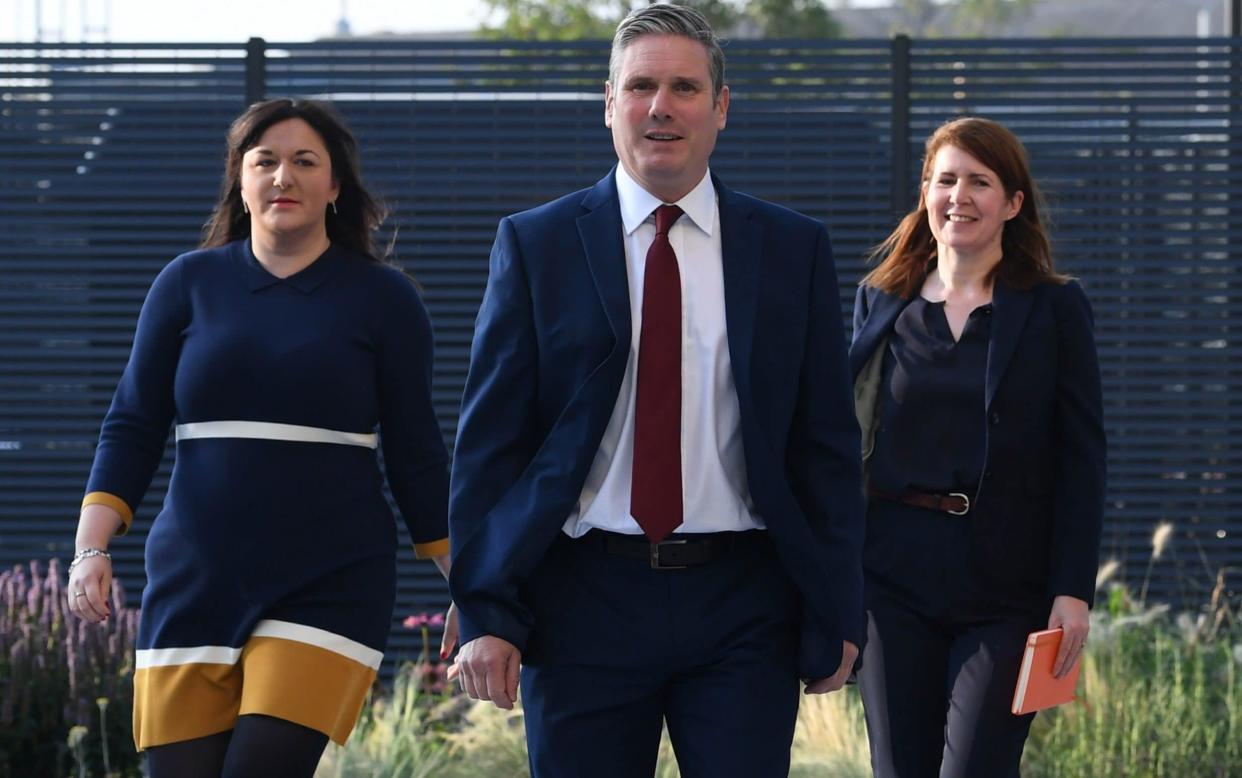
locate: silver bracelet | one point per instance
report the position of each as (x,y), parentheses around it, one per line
(87,553)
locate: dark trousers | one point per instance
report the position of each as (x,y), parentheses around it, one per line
(620,649)
(937,696)
(943,653)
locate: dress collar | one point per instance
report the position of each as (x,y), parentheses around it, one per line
(306,280)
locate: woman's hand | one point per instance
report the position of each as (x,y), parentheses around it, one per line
(90,580)
(90,585)
(449,641)
(1070,614)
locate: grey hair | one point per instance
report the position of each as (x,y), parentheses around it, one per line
(668,19)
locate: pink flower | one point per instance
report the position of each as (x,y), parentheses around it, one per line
(436,620)
(414,622)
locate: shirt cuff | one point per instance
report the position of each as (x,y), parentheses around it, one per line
(434,548)
(113,502)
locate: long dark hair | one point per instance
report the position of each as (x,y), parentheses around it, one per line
(909,253)
(357,213)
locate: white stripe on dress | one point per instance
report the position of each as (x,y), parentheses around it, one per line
(265,430)
(329,641)
(207,655)
(267,628)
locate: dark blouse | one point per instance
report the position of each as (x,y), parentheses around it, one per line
(932,430)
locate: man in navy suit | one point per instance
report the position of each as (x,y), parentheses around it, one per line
(656,509)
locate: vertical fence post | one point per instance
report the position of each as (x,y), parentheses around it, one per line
(256,70)
(899,173)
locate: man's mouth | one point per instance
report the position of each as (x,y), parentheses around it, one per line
(662,136)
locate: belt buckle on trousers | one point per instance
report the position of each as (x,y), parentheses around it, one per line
(965,504)
(929,500)
(657,563)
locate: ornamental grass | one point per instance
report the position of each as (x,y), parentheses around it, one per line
(66,686)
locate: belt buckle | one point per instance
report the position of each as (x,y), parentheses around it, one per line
(656,563)
(965,499)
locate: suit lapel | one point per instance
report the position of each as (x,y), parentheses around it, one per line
(1009,310)
(603,241)
(881,314)
(741,250)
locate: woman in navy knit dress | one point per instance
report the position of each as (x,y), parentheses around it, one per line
(278,350)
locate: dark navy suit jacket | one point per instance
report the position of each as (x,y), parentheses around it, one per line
(1036,519)
(550,348)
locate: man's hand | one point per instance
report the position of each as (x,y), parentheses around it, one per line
(1070,614)
(488,670)
(849,652)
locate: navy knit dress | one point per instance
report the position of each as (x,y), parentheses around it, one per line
(271,567)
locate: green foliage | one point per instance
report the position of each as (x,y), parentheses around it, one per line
(400,735)
(597,19)
(957,18)
(66,686)
(548,20)
(793,19)
(1158,698)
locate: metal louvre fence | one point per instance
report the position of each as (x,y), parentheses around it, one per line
(110,161)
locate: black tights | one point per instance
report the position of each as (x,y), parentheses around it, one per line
(257,747)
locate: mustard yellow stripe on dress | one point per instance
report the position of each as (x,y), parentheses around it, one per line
(434,548)
(182,702)
(113,502)
(305,684)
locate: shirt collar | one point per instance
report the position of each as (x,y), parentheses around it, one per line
(306,280)
(637,203)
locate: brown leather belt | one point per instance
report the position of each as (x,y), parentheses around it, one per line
(955,503)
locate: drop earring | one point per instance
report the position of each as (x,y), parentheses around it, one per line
(245,207)
(334,213)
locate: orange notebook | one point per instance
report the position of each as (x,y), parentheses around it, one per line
(1036,688)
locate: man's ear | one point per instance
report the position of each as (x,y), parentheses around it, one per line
(608,101)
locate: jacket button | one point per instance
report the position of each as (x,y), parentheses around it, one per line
(994,418)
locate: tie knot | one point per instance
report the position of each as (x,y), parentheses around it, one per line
(666,217)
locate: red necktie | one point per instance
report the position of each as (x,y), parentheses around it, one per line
(655,488)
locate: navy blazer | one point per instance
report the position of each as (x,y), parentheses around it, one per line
(1037,516)
(550,348)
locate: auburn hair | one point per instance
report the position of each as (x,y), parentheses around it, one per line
(907,255)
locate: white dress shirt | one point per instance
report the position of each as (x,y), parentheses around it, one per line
(715,494)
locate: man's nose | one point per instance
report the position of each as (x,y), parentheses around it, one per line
(660,103)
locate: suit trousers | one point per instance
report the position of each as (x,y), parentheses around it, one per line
(942,655)
(620,649)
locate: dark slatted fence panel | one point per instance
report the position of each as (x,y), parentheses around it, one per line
(1136,145)
(109,164)
(110,161)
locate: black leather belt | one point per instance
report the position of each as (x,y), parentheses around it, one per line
(956,503)
(675,552)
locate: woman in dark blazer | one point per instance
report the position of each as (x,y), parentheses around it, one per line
(978,392)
